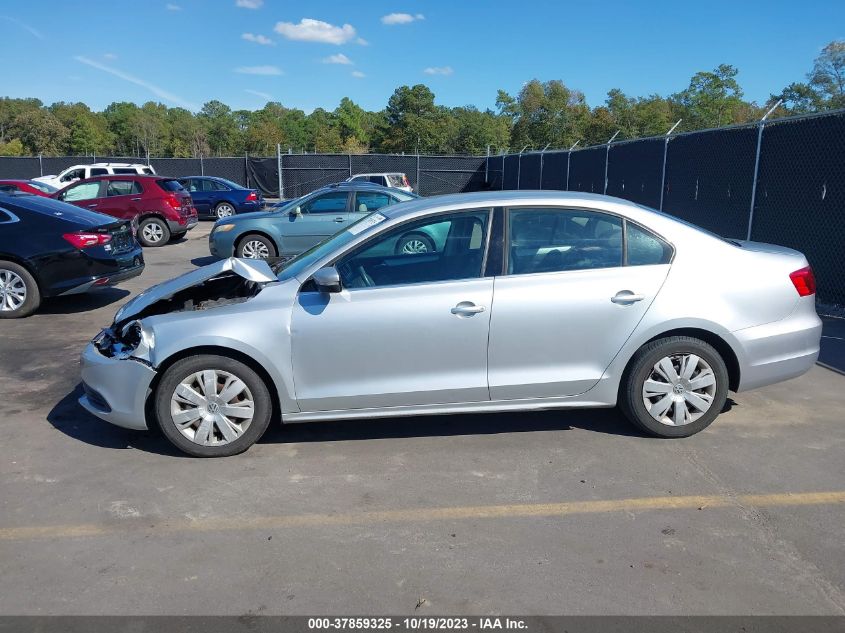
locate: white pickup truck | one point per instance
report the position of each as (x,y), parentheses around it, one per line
(79,172)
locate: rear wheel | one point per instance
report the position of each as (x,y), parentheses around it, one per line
(224,210)
(254,246)
(19,293)
(212,406)
(153,231)
(674,387)
(414,243)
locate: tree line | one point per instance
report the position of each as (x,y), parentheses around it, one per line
(542,114)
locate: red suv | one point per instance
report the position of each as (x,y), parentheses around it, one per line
(160,207)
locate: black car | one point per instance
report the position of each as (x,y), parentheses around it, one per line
(50,248)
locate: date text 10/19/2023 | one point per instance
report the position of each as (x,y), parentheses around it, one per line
(418,624)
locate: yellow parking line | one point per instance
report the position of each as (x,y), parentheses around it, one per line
(419,515)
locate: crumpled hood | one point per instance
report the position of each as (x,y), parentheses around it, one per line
(256,270)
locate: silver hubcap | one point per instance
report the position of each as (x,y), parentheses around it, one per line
(12,291)
(153,232)
(224,211)
(212,407)
(680,389)
(253,249)
(414,246)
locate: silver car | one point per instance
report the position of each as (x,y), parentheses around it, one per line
(533,300)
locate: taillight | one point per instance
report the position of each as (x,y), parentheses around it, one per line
(174,201)
(84,240)
(804,281)
(251,196)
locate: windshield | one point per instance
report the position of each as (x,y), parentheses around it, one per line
(293,267)
(42,187)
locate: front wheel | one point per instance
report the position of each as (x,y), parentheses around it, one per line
(674,387)
(256,246)
(224,210)
(153,231)
(212,406)
(19,293)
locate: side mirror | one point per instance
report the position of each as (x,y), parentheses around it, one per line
(327,280)
(297,212)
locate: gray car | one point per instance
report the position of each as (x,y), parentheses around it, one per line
(535,300)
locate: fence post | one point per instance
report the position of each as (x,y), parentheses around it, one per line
(487,167)
(202,166)
(568,159)
(246,168)
(665,153)
(504,163)
(519,167)
(542,158)
(40,165)
(279,167)
(761,125)
(607,159)
(349,156)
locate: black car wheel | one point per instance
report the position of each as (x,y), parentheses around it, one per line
(19,293)
(153,231)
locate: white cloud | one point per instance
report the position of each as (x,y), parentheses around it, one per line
(249,4)
(258,70)
(258,93)
(309,30)
(26,27)
(172,7)
(362,42)
(157,91)
(401,18)
(109,56)
(358,74)
(438,70)
(340,58)
(258,39)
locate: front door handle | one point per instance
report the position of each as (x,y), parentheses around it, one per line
(91,206)
(467,309)
(338,219)
(626,297)
(135,199)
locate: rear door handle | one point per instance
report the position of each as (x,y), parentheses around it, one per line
(338,219)
(626,297)
(467,308)
(135,199)
(91,206)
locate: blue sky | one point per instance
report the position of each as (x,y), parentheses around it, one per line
(311,54)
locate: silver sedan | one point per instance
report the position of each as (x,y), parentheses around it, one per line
(528,301)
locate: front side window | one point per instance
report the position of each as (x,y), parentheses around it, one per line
(378,180)
(83,191)
(334,202)
(549,240)
(455,246)
(73,174)
(122,188)
(369,201)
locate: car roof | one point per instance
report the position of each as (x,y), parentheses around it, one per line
(358,186)
(116,165)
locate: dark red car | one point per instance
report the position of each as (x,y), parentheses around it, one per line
(160,207)
(27,186)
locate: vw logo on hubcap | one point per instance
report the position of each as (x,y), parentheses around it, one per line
(213,408)
(678,389)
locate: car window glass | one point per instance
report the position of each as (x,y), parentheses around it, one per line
(369,201)
(334,202)
(395,180)
(442,248)
(170,185)
(74,174)
(83,191)
(548,240)
(122,171)
(645,248)
(122,188)
(217,186)
(99,171)
(6,188)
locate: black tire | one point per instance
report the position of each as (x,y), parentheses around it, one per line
(15,274)
(154,226)
(641,368)
(179,371)
(423,242)
(248,242)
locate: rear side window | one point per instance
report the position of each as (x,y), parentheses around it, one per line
(123,171)
(645,248)
(8,188)
(99,171)
(396,180)
(170,185)
(369,201)
(147,170)
(550,240)
(123,188)
(378,180)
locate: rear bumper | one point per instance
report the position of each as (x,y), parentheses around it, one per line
(115,390)
(106,280)
(81,271)
(182,225)
(781,350)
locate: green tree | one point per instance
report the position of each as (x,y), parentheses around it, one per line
(14,147)
(712,99)
(41,132)
(220,126)
(543,114)
(415,122)
(828,75)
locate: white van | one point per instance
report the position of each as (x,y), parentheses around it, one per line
(79,172)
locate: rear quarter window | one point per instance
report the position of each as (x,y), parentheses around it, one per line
(170,185)
(645,248)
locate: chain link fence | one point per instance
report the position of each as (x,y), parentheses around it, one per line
(779,181)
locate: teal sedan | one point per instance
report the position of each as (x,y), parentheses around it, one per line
(295,226)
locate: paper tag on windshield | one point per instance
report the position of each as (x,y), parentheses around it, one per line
(366,223)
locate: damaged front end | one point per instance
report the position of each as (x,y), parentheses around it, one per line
(219,284)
